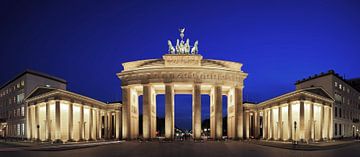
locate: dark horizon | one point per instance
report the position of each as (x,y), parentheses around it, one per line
(85,42)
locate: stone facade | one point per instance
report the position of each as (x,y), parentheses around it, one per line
(181,74)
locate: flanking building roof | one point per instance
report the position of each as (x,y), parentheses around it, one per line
(36,73)
(354,83)
(313,93)
(41,93)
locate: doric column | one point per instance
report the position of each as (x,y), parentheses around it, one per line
(256,124)
(265,125)
(57,120)
(196,97)
(290,122)
(169,111)
(238,108)
(99,125)
(331,121)
(126,100)
(48,121)
(81,123)
(117,128)
(302,122)
(110,125)
(37,122)
(280,124)
(147,111)
(311,133)
(271,124)
(322,121)
(106,125)
(91,124)
(247,124)
(30,122)
(218,112)
(71,115)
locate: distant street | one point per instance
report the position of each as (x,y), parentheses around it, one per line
(185,149)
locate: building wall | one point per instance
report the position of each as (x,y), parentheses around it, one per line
(12,105)
(346,109)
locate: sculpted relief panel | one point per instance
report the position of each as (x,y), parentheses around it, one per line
(183,76)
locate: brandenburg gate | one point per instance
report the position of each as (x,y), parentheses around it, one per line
(182,71)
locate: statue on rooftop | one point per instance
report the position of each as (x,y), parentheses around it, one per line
(181,46)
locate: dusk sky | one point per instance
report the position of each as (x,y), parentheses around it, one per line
(85,42)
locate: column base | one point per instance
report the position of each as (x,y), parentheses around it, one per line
(71,140)
(58,141)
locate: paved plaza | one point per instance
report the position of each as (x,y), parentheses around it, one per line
(182,149)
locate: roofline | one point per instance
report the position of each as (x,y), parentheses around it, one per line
(36,73)
(57,90)
(330,72)
(297,92)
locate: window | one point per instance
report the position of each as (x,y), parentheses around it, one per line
(20,98)
(18,85)
(336,84)
(18,130)
(22,129)
(338,97)
(340,129)
(18,112)
(340,112)
(335,129)
(335,111)
(23,83)
(23,111)
(340,86)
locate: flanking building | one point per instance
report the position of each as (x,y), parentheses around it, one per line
(346,109)
(59,115)
(12,105)
(37,106)
(302,115)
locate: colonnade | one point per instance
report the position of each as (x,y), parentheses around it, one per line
(130,95)
(68,121)
(296,120)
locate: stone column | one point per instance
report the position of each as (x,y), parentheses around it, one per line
(57,120)
(117,123)
(98,124)
(91,137)
(238,108)
(322,121)
(126,116)
(48,120)
(106,124)
(265,131)
(290,122)
(280,124)
(30,122)
(196,97)
(302,122)
(147,111)
(218,112)
(271,124)
(81,123)
(256,124)
(247,124)
(311,134)
(71,114)
(36,122)
(169,111)
(331,122)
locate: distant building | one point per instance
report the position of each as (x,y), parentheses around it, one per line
(12,94)
(346,109)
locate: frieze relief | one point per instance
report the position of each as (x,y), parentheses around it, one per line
(185,75)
